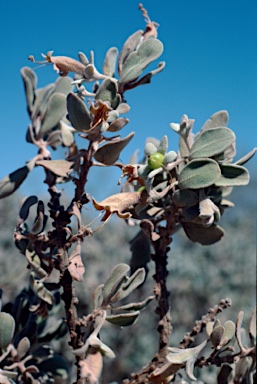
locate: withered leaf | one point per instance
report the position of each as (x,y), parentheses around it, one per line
(58,167)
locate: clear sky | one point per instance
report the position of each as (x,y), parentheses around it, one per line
(210,50)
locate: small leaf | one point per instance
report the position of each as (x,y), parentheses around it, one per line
(246,158)
(229,332)
(7,326)
(199,174)
(128,286)
(11,183)
(109,153)
(217,335)
(124,319)
(58,167)
(23,347)
(129,46)
(212,142)
(42,292)
(56,109)
(150,149)
(98,296)
(35,263)
(30,82)
(218,119)
(163,145)
(41,219)
(24,210)
(113,282)
(138,60)
(108,92)
(232,175)
(134,306)
(78,113)
(110,62)
(76,267)
(66,134)
(205,236)
(118,124)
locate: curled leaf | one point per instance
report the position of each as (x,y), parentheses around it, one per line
(42,292)
(24,210)
(232,175)
(35,263)
(118,204)
(109,153)
(113,282)
(124,319)
(11,182)
(41,218)
(205,236)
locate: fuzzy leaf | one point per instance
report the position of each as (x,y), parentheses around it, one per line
(232,175)
(150,148)
(163,145)
(218,119)
(42,292)
(58,167)
(7,326)
(30,82)
(56,109)
(66,134)
(78,113)
(91,367)
(118,124)
(109,153)
(108,92)
(41,101)
(110,62)
(229,330)
(205,236)
(138,60)
(41,218)
(129,46)
(11,182)
(98,296)
(128,286)
(76,267)
(212,142)
(63,85)
(35,263)
(23,347)
(246,158)
(24,210)
(124,319)
(113,282)
(134,306)
(199,174)
(217,335)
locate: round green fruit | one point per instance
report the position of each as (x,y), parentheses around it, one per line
(156,160)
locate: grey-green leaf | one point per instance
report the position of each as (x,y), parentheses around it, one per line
(138,60)
(128,286)
(218,119)
(246,158)
(212,142)
(110,62)
(11,182)
(134,306)
(41,101)
(185,198)
(163,146)
(124,319)
(56,109)
(232,175)
(109,153)
(205,236)
(78,113)
(217,335)
(7,326)
(63,85)
(129,46)
(118,124)
(108,92)
(113,282)
(30,81)
(199,174)
(23,347)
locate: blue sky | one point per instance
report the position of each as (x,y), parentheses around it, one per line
(209,50)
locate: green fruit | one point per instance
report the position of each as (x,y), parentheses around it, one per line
(141,189)
(156,160)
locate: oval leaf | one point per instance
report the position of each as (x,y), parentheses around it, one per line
(212,142)
(11,182)
(138,60)
(108,92)
(232,175)
(109,153)
(218,119)
(217,335)
(124,319)
(23,347)
(203,235)
(56,109)
(199,174)
(58,167)
(7,326)
(110,62)
(113,282)
(129,46)
(78,113)
(117,124)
